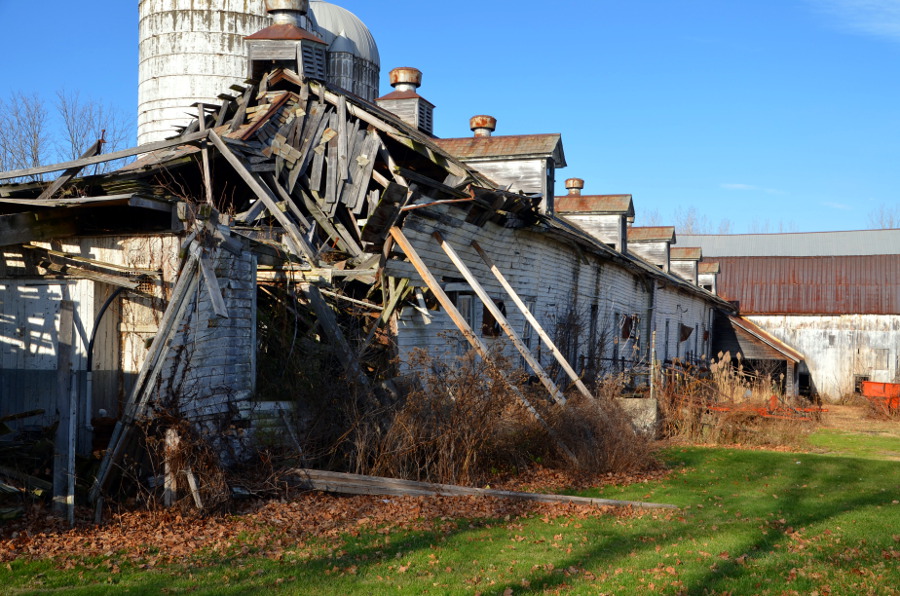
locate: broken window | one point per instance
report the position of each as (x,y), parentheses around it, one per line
(490,327)
(858,380)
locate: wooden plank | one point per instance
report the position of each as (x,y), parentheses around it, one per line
(28,226)
(186,285)
(64,445)
(339,482)
(343,145)
(301,246)
(191,139)
(488,302)
(431,183)
(213,289)
(545,337)
(243,104)
(364,167)
(71,172)
(204,154)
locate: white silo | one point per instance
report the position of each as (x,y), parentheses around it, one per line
(193,50)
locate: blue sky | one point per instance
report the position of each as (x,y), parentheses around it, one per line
(772,114)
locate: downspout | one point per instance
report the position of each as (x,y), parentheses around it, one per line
(89,382)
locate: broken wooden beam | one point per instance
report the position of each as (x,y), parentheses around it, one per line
(190,139)
(71,172)
(355,484)
(29,226)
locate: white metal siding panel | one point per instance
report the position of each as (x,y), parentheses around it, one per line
(836,348)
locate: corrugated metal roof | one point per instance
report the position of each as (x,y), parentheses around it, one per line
(595,204)
(812,285)
(473,148)
(685,253)
(812,244)
(652,234)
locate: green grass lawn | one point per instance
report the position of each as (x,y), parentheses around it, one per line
(751,522)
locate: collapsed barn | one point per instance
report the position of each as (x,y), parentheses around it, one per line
(294,224)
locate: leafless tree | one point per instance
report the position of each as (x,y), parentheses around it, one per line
(690,221)
(650,217)
(86,121)
(33,134)
(884,217)
(25,141)
(766,226)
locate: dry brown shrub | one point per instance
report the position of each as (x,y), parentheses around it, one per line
(463,424)
(602,436)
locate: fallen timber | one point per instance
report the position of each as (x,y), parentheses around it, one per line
(355,484)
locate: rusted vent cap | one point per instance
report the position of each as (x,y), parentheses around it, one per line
(575,185)
(483,123)
(406,75)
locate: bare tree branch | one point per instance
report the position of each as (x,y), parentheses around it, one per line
(884,217)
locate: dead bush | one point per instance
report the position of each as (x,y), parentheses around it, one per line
(602,436)
(463,424)
(728,405)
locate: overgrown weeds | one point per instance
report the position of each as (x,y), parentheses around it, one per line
(463,424)
(729,404)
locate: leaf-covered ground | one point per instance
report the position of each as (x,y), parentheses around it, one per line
(750,522)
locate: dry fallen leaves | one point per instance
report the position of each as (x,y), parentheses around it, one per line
(264,528)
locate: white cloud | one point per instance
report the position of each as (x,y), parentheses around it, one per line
(838,206)
(871,17)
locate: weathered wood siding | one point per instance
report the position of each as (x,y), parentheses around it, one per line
(580,298)
(839,348)
(29,323)
(685,269)
(609,229)
(526,175)
(652,252)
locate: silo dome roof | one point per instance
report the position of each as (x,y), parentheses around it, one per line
(343,31)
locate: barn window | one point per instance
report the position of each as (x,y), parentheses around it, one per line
(490,327)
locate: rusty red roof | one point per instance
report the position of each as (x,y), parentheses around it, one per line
(403,95)
(812,285)
(286,32)
(474,148)
(709,267)
(652,234)
(685,253)
(595,204)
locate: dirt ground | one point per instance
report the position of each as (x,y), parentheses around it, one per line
(855,419)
